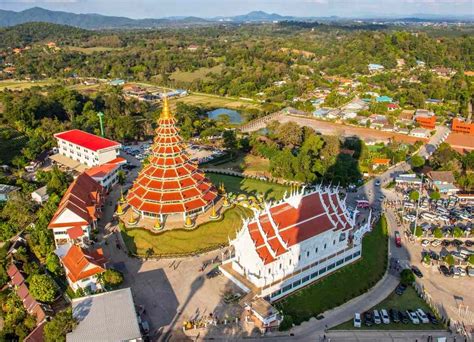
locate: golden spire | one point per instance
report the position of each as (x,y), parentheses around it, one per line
(165,112)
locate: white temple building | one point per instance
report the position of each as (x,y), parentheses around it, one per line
(293,243)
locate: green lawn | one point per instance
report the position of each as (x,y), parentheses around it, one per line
(409,300)
(234,184)
(199,74)
(207,236)
(344,284)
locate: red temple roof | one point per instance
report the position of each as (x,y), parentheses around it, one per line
(170,183)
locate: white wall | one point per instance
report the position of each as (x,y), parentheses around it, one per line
(86,156)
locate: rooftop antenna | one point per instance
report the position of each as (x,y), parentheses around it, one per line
(101,119)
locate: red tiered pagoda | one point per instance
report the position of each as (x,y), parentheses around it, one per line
(170,184)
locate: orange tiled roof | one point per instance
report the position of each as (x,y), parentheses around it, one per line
(81,264)
(83,198)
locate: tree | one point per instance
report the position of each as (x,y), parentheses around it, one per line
(230,140)
(471,259)
(438,233)
(414,195)
(121,177)
(52,264)
(407,277)
(417,162)
(42,288)
(112,278)
(458,232)
(449,259)
(418,231)
(56,329)
(435,195)
(427,259)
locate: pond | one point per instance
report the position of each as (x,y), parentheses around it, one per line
(233,115)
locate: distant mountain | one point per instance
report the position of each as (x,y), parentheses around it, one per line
(89,21)
(97,21)
(257,16)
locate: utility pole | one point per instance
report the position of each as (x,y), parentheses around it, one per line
(101,116)
(418,204)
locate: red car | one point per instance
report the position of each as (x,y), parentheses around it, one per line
(398,239)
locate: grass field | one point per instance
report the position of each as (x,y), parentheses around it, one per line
(256,164)
(234,184)
(409,300)
(199,74)
(180,241)
(19,85)
(217,101)
(91,50)
(344,284)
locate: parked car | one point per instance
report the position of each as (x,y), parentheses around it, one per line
(398,239)
(432,318)
(462,272)
(404,317)
(385,316)
(455,272)
(357,321)
(468,243)
(417,271)
(445,270)
(368,319)
(400,289)
(425,243)
(422,316)
(377,319)
(413,317)
(435,243)
(395,315)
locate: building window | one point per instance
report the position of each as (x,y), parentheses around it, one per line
(305,279)
(348,258)
(299,257)
(322,270)
(276,293)
(280,266)
(339,262)
(325,246)
(307,254)
(356,254)
(316,250)
(269,271)
(330,267)
(342,237)
(314,275)
(286,288)
(289,261)
(296,283)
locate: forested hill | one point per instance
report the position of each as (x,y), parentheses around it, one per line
(29,33)
(88,21)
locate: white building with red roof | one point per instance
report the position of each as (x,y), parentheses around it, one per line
(82,267)
(87,148)
(78,211)
(106,175)
(294,242)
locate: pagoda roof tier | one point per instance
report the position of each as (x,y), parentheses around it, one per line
(171,183)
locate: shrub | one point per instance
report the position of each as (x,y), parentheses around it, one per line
(414,195)
(435,195)
(418,231)
(112,278)
(407,277)
(458,232)
(286,324)
(56,329)
(427,259)
(471,259)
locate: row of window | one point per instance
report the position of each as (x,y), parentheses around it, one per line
(314,275)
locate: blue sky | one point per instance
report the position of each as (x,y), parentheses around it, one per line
(210,8)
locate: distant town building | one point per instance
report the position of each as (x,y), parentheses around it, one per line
(108,317)
(408,179)
(462,126)
(380,162)
(40,195)
(87,148)
(294,242)
(443,181)
(6,190)
(117,82)
(425,118)
(78,211)
(420,133)
(375,67)
(82,267)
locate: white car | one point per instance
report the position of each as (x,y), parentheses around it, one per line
(385,317)
(377,319)
(425,243)
(422,316)
(357,321)
(462,272)
(435,243)
(413,317)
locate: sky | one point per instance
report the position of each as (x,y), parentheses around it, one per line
(211,8)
